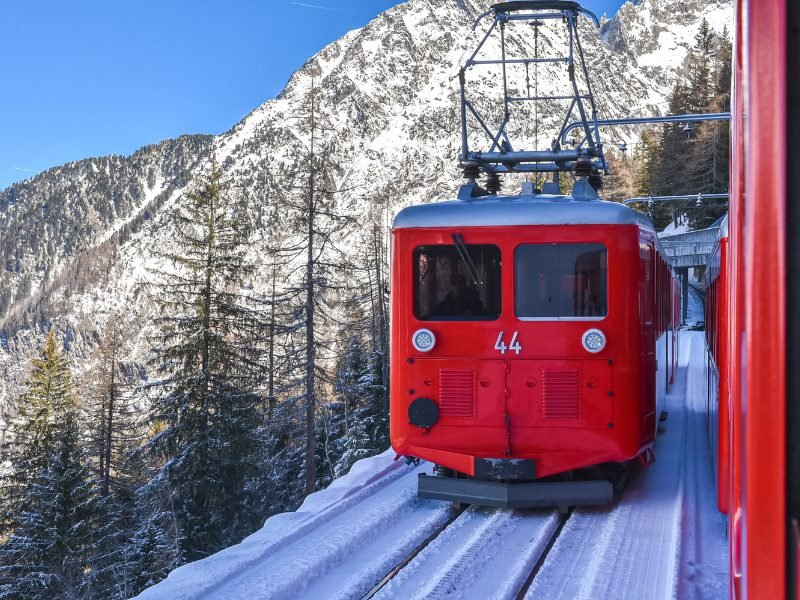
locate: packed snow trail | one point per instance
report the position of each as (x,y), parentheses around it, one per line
(663,540)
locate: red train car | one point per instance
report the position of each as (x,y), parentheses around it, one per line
(532,337)
(757,319)
(716,320)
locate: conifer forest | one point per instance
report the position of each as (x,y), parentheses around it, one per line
(668,160)
(254,400)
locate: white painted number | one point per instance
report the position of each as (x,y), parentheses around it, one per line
(515,345)
(500,345)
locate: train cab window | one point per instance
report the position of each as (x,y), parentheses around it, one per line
(560,281)
(451,285)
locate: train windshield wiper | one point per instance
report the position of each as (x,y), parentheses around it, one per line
(461,247)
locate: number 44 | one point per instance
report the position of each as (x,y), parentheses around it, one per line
(501,345)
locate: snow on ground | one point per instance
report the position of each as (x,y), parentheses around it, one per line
(695,312)
(704,556)
(342,539)
(674,228)
(663,540)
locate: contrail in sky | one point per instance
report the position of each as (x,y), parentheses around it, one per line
(24,169)
(319,7)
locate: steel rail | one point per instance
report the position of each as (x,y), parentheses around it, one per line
(413,554)
(543,556)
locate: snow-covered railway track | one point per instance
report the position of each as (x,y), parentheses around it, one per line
(411,556)
(564,517)
(484,553)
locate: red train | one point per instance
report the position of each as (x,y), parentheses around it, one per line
(716,315)
(754,312)
(533,340)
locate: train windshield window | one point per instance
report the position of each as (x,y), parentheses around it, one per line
(560,281)
(445,286)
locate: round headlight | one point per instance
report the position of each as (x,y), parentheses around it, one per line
(594,340)
(423,340)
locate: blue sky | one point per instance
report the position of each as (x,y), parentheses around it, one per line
(96,77)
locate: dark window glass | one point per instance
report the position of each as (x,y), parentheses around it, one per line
(560,280)
(445,286)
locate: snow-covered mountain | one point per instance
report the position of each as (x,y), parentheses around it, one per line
(78,241)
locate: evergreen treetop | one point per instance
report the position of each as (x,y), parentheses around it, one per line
(50,498)
(210,367)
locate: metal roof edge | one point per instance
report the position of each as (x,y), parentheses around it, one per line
(519,210)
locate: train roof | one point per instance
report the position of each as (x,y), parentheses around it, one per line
(541,209)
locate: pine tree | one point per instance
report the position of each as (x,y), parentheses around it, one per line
(154,547)
(618,185)
(209,369)
(723,70)
(48,394)
(699,70)
(378,295)
(113,433)
(312,195)
(276,325)
(281,456)
(53,505)
(691,94)
(697,160)
(707,169)
(356,418)
(314,214)
(154,558)
(646,161)
(674,148)
(111,414)
(722,103)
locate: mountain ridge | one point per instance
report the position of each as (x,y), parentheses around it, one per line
(390,102)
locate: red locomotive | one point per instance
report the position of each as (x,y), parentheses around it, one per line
(531,336)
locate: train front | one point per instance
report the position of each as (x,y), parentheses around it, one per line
(512,360)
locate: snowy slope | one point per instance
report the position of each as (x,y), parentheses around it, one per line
(377,495)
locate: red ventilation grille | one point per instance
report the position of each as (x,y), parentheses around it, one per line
(562,394)
(457,392)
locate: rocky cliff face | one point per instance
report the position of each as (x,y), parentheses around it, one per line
(78,241)
(54,217)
